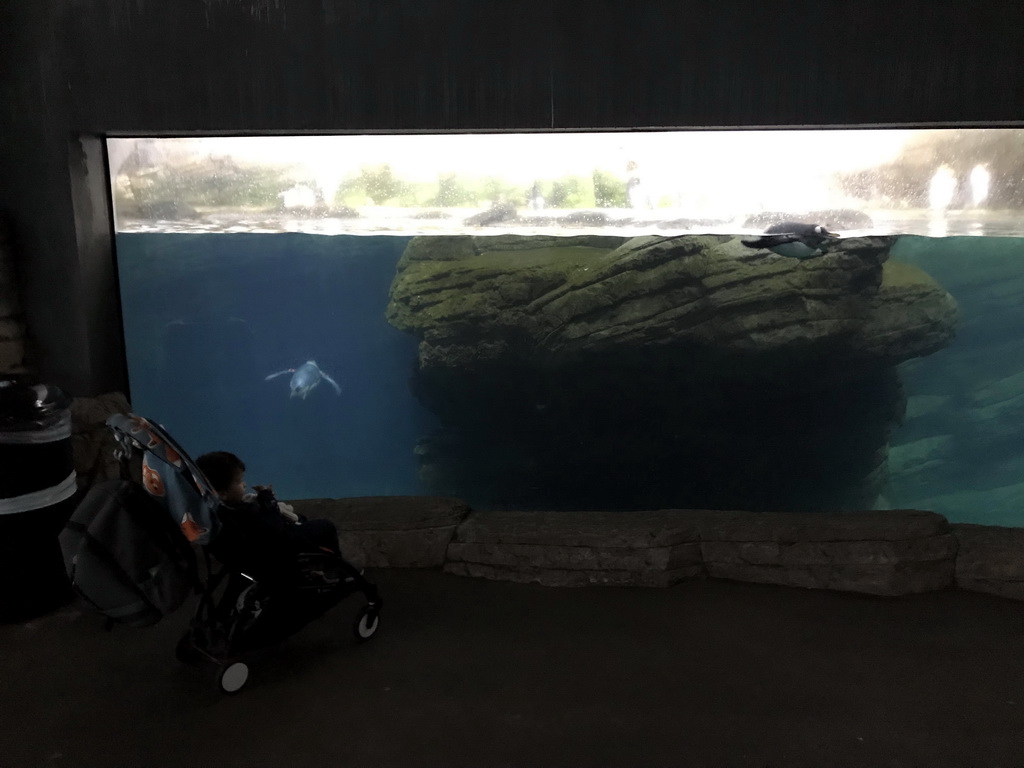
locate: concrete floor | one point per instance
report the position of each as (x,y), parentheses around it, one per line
(474,673)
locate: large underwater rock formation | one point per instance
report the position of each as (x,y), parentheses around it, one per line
(653,372)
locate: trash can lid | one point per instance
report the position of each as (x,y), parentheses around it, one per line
(26,406)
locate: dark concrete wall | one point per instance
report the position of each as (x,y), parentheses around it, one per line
(72,67)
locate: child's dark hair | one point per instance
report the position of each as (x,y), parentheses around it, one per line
(221,468)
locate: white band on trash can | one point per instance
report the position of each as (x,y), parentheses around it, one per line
(39,499)
(59,431)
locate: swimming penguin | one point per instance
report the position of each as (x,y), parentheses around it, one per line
(793,239)
(305,378)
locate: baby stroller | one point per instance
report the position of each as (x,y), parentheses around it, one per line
(237,614)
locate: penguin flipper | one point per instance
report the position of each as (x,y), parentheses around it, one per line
(279,373)
(331,381)
(770,241)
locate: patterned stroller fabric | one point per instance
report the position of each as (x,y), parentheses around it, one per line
(169,475)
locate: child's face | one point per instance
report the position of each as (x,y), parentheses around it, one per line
(236,491)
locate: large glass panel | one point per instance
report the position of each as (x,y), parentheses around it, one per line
(590,320)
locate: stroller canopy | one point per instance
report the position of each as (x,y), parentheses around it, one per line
(169,475)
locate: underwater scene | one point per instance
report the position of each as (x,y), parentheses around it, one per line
(208,318)
(591,371)
(608,321)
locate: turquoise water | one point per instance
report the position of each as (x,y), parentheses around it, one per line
(209,316)
(960,450)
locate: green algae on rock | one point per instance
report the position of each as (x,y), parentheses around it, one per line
(662,371)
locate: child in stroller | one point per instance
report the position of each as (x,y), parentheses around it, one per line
(258,534)
(281,571)
(136,566)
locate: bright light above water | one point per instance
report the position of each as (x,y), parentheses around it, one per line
(707,173)
(643,181)
(980,180)
(748,169)
(523,157)
(942,189)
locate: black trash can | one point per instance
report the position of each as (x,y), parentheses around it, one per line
(37,496)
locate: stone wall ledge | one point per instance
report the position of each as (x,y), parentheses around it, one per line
(576,558)
(391,531)
(657,528)
(554,577)
(896,552)
(990,559)
(889,525)
(886,553)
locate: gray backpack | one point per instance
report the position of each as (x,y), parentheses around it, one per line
(125,555)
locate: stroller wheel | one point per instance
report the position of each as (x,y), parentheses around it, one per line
(366,624)
(232,677)
(185,651)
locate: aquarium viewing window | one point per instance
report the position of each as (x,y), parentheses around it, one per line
(588,321)
(911,181)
